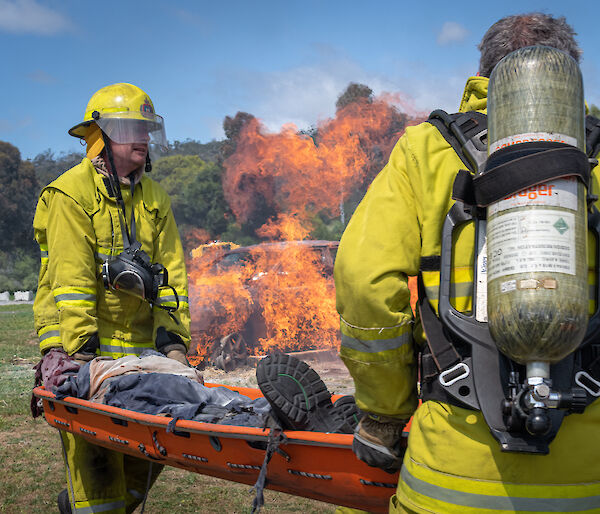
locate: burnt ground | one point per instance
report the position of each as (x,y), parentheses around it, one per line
(327,364)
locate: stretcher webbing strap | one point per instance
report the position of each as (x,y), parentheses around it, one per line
(161,449)
(172,424)
(378,484)
(276,437)
(503,177)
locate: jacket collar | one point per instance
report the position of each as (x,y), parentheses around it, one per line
(101,180)
(475,95)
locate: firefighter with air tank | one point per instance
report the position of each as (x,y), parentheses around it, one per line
(496,216)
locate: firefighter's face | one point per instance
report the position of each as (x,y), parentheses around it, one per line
(129,157)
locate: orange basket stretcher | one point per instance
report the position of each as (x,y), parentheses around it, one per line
(315,465)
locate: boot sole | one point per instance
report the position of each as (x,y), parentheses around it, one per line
(348,411)
(298,397)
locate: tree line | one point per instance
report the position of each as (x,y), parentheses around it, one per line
(192,173)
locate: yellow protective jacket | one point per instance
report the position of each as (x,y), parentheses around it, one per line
(77,227)
(453,464)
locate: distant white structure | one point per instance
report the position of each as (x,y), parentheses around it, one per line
(4,296)
(23,296)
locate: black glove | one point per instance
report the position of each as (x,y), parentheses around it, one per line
(378,442)
(171,345)
(88,351)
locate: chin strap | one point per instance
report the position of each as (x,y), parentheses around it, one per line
(128,238)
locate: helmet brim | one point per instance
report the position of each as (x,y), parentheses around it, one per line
(80,129)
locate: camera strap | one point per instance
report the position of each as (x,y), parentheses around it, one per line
(128,238)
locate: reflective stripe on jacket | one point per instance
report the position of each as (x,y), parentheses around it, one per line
(451,451)
(77,227)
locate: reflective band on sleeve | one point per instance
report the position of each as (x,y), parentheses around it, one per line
(168,299)
(166,295)
(501,503)
(44,252)
(376,345)
(171,299)
(49,334)
(75,296)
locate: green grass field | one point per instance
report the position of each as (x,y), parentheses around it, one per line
(33,470)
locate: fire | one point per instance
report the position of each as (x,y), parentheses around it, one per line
(296,173)
(287,227)
(193,237)
(289,288)
(221,303)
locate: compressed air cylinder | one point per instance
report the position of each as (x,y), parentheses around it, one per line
(536,238)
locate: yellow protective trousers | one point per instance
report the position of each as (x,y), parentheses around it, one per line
(103,480)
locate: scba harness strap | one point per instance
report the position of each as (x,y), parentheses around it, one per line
(457,360)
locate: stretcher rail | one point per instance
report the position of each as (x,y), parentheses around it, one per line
(310,464)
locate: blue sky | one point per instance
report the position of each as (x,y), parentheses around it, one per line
(283,61)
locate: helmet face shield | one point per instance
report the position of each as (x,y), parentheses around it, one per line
(134,127)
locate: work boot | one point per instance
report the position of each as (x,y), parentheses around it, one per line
(378,442)
(298,397)
(64,505)
(347,409)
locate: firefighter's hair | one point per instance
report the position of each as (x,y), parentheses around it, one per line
(518,31)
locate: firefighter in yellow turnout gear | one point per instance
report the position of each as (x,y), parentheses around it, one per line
(453,464)
(82,306)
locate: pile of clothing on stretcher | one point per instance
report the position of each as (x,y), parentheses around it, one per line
(154,384)
(295,397)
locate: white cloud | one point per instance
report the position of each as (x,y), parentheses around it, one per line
(192,18)
(451,32)
(306,95)
(302,96)
(8,126)
(41,77)
(28,16)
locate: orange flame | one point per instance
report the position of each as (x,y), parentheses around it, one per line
(298,176)
(295,173)
(287,227)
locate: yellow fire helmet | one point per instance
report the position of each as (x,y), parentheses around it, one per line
(125,114)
